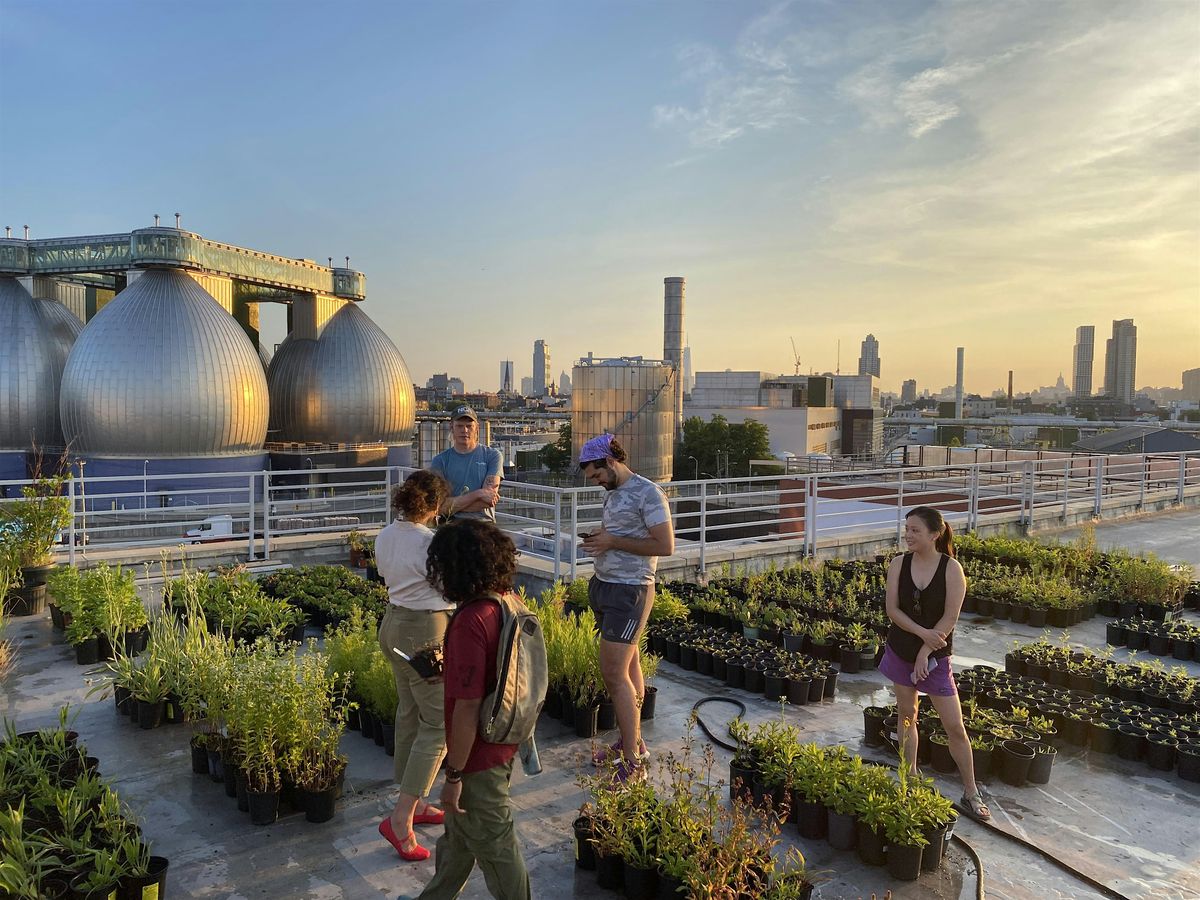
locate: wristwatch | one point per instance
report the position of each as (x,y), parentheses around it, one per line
(453,775)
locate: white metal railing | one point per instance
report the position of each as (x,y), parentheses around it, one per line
(261,509)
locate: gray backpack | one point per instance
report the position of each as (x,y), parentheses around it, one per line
(509,713)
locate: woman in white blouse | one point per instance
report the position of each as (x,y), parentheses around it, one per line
(417,616)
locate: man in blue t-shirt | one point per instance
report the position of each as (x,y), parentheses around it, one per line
(473,470)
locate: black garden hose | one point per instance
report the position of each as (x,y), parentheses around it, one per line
(970,851)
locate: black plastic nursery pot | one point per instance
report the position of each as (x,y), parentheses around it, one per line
(829,688)
(610,872)
(1161,751)
(240,791)
(319,806)
(755,681)
(151,886)
(873,717)
(1188,759)
(870,846)
(850,661)
(264,806)
(640,884)
(585,720)
(798,690)
(1102,736)
(1043,760)
(585,850)
(648,701)
(1115,634)
(553,705)
(386,737)
(773,688)
(816,690)
(812,820)
(843,831)
(199,759)
(606,717)
(1015,760)
(1131,742)
(741,780)
(216,768)
(904,862)
(150,713)
(939,755)
(87,652)
(931,858)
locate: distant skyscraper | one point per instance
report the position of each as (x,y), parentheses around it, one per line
(527,386)
(541,368)
(1120,360)
(868,360)
(1085,353)
(506,376)
(1191,385)
(908,391)
(564,385)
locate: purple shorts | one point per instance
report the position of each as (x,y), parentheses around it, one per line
(939,682)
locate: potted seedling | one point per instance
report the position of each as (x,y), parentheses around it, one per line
(30,527)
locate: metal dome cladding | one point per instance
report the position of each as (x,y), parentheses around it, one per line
(350,386)
(35,340)
(163,370)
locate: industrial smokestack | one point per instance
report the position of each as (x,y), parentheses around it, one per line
(958,387)
(673,342)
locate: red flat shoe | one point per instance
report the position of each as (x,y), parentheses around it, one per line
(416,854)
(438,818)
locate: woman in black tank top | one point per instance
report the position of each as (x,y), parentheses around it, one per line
(925,591)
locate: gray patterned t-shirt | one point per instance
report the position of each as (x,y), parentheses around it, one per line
(631,511)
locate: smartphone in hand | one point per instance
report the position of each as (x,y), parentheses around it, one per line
(932,665)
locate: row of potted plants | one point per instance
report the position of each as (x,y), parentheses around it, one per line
(232,600)
(1025,598)
(326,594)
(1106,725)
(98,610)
(1015,745)
(577,695)
(1177,638)
(889,817)
(1097,673)
(63,831)
(755,666)
(352,652)
(1118,582)
(681,839)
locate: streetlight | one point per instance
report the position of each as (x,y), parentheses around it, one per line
(697,462)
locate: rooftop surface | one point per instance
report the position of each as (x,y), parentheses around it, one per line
(1121,823)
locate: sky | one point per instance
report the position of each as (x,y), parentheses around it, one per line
(940,174)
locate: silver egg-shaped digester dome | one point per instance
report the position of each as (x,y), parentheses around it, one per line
(350,386)
(35,339)
(162,370)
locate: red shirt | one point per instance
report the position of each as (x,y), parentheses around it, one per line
(470,673)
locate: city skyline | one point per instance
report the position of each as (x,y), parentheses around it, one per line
(816,171)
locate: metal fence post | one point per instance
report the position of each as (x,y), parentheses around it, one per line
(250,519)
(900,507)
(973,500)
(574,530)
(1066,488)
(1098,470)
(558,536)
(1142,481)
(266,477)
(703,529)
(1027,495)
(1182,477)
(71,527)
(810,514)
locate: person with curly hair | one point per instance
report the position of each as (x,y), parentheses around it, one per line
(416,617)
(470,559)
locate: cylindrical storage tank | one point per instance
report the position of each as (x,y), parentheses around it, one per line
(430,442)
(36,337)
(163,371)
(350,386)
(633,400)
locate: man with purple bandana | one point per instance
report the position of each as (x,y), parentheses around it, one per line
(635,530)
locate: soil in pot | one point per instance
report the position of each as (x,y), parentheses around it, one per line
(903,862)
(1015,760)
